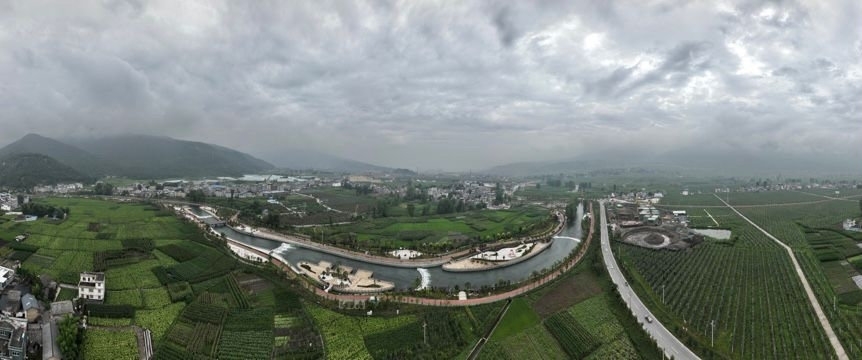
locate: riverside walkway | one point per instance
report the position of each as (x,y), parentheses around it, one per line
(451,302)
(389,261)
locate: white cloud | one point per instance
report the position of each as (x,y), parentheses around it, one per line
(453,85)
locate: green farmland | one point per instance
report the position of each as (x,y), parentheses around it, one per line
(163,275)
(712,281)
(449,332)
(435,232)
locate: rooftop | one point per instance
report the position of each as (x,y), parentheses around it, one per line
(64,307)
(99,276)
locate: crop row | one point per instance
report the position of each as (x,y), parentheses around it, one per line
(202,312)
(238,295)
(243,345)
(747,289)
(206,336)
(571,335)
(249,320)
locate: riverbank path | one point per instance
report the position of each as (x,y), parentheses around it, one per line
(582,249)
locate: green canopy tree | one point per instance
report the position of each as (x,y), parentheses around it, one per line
(70,338)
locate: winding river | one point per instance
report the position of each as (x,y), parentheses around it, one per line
(406,278)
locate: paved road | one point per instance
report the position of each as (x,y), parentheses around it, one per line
(670,345)
(818,311)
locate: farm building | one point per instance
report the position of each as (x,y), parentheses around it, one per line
(31,307)
(13,338)
(10,303)
(50,348)
(91,286)
(61,309)
(6,276)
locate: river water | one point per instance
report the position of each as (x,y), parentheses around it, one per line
(406,278)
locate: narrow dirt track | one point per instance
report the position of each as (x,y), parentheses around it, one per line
(818,310)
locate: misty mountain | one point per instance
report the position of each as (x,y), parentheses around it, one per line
(696,161)
(21,171)
(139,156)
(302,159)
(143,157)
(71,156)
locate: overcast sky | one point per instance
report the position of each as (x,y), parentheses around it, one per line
(445,85)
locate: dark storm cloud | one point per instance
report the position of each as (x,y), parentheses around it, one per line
(454,85)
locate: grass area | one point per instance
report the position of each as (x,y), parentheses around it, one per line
(66,294)
(535,342)
(110,344)
(436,232)
(519,317)
(343,199)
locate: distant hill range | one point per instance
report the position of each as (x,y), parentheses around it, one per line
(134,156)
(23,171)
(302,159)
(689,161)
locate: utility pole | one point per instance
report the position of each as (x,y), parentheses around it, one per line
(712,335)
(425,332)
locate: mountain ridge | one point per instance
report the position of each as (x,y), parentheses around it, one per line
(25,170)
(139,156)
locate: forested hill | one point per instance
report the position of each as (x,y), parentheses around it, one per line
(21,171)
(69,155)
(138,156)
(142,157)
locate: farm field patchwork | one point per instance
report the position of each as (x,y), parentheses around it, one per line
(577,316)
(450,331)
(154,263)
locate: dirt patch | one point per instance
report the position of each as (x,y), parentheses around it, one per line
(252,283)
(654,239)
(567,292)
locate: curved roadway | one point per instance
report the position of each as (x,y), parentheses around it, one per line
(669,344)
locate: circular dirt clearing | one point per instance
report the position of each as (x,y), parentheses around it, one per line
(655,239)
